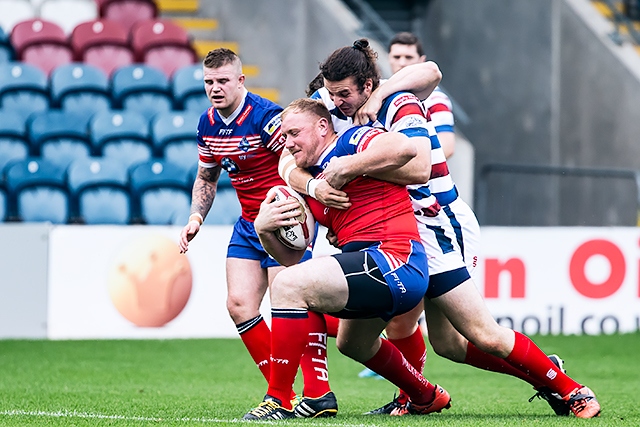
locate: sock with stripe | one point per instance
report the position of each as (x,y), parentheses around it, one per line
(528,358)
(390,363)
(289,336)
(314,360)
(256,336)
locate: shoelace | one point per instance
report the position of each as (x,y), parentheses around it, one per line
(578,402)
(264,408)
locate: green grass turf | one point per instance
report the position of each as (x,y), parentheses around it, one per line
(214,382)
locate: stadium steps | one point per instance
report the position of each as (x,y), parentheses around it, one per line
(186,13)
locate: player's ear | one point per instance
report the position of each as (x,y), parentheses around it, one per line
(241,79)
(323,126)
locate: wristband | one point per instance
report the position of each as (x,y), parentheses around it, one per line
(312,184)
(196,217)
(287,173)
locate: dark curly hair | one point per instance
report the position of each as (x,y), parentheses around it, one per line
(357,60)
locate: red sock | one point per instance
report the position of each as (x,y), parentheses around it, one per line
(390,363)
(256,337)
(332,325)
(414,349)
(528,358)
(480,359)
(314,360)
(288,340)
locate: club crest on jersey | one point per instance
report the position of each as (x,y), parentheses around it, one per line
(229,165)
(244,144)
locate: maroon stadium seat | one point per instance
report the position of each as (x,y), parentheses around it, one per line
(41,43)
(162,44)
(127,12)
(102,43)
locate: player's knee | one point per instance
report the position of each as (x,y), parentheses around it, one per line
(449,348)
(240,310)
(287,291)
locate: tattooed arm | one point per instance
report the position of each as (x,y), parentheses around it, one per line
(202,195)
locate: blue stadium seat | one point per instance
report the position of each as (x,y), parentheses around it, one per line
(174,137)
(99,191)
(121,135)
(23,88)
(163,192)
(59,136)
(38,191)
(187,86)
(141,88)
(226,208)
(80,88)
(6,50)
(14,143)
(4,202)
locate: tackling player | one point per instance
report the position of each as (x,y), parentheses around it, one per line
(460,326)
(241,134)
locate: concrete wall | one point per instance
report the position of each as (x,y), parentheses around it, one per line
(543,84)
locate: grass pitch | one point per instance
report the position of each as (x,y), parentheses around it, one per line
(214,382)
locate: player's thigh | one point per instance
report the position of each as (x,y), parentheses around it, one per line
(246,282)
(465,309)
(318,284)
(405,324)
(358,338)
(444,338)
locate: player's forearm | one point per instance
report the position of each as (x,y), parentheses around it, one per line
(388,152)
(420,79)
(294,176)
(416,171)
(447,142)
(202,196)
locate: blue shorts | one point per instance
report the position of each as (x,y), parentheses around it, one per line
(376,289)
(245,244)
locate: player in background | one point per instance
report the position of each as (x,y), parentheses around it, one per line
(405,49)
(460,326)
(241,134)
(380,273)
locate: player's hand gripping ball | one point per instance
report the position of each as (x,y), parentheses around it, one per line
(300,235)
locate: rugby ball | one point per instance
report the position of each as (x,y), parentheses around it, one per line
(300,235)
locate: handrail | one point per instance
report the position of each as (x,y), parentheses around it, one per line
(483,190)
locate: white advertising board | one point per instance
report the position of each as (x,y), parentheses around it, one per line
(130,282)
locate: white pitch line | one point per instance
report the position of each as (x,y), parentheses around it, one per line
(75,414)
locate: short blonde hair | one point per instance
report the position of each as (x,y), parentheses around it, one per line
(307,105)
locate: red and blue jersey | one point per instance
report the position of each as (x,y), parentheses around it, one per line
(380,210)
(247,144)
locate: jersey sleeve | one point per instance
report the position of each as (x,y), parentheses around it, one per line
(440,108)
(403,112)
(205,156)
(357,139)
(270,130)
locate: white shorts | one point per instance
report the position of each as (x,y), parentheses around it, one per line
(452,243)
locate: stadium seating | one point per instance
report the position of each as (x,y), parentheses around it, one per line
(80,88)
(14,11)
(68,13)
(41,43)
(37,191)
(163,192)
(141,88)
(99,191)
(59,136)
(163,44)
(121,135)
(127,12)
(102,43)
(187,87)
(4,202)
(23,88)
(174,138)
(6,49)
(14,144)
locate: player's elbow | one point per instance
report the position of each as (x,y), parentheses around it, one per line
(433,70)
